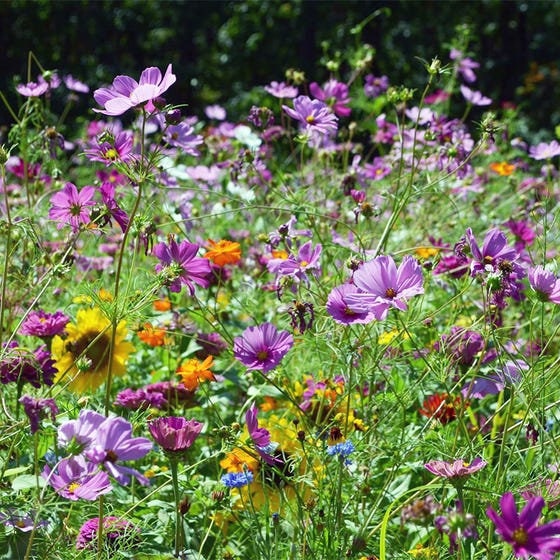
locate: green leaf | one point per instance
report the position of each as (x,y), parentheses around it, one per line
(27,481)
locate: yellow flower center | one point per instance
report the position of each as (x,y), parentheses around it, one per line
(72,487)
(520,535)
(390,293)
(310,119)
(262,355)
(111,154)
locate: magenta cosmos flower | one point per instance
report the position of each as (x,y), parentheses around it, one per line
(475,97)
(174,434)
(494,255)
(456,469)
(181,265)
(126,92)
(70,206)
(382,286)
(334,94)
(116,531)
(522,531)
(262,347)
(545,284)
(314,115)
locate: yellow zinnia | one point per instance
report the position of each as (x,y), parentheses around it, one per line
(82,357)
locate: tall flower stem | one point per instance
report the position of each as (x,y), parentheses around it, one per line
(179,539)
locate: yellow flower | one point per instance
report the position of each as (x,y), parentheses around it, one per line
(82,357)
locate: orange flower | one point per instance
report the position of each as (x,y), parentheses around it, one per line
(151,335)
(426,252)
(193,371)
(162,304)
(502,168)
(223,252)
(279,254)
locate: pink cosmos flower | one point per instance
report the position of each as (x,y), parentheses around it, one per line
(262,347)
(261,438)
(544,150)
(36,409)
(382,285)
(522,530)
(334,94)
(545,283)
(456,469)
(281,90)
(174,434)
(183,136)
(75,85)
(70,206)
(32,89)
(465,66)
(126,92)
(475,97)
(115,531)
(314,115)
(109,148)
(180,263)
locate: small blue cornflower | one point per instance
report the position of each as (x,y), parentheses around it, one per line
(341,449)
(237,479)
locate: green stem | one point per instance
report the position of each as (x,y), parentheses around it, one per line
(179,532)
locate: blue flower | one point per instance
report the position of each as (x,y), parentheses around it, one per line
(237,479)
(341,449)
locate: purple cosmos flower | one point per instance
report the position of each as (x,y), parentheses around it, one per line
(77,435)
(237,479)
(140,399)
(475,97)
(115,531)
(70,206)
(126,92)
(334,94)
(456,469)
(297,267)
(182,136)
(215,112)
(75,478)
(375,85)
(544,150)
(114,442)
(109,148)
(261,438)
(461,345)
(19,365)
(495,255)
(509,374)
(23,523)
(545,284)
(44,325)
(174,434)
(382,285)
(107,190)
(180,265)
(36,409)
(262,347)
(523,231)
(523,531)
(281,90)
(457,525)
(338,308)
(465,66)
(32,89)
(314,115)
(75,85)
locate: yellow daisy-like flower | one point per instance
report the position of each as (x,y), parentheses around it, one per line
(82,357)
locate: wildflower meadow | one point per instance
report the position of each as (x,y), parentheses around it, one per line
(326,329)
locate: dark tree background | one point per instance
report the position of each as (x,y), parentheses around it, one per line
(219,50)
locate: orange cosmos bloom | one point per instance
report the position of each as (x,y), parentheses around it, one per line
(193,371)
(223,252)
(162,304)
(502,168)
(151,335)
